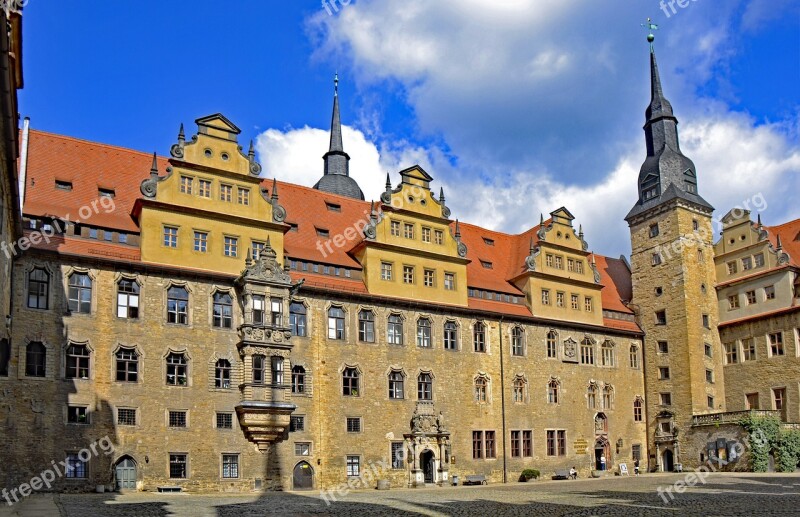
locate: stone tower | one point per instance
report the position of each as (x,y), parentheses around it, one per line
(673,287)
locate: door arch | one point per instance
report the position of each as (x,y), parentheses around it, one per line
(303,476)
(602,454)
(667,460)
(426,461)
(125,473)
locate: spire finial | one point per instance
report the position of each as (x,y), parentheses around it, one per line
(154,167)
(274,189)
(268,246)
(650,26)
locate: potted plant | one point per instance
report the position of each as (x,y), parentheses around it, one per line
(529,474)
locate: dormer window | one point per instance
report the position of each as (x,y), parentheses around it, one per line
(293,227)
(333,207)
(323,233)
(106,192)
(63,185)
(488,242)
(486,264)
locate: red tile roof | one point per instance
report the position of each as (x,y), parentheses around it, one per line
(90,165)
(790,239)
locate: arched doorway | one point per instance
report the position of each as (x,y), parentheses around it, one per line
(602,454)
(426,462)
(303,476)
(125,473)
(667,460)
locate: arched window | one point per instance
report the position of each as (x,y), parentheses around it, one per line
(479,337)
(178,305)
(634,356)
(552,339)
(608,396)
(395,329)
(425,386)
(77,366)
(450,335)
(608,353)
(35,359)
(517,341)
(38,288)
(637,410)
(519,390)
(177,369)
(222,374)
(80,293)
(223,310)
(298,379)
(591,396)
(127,299)
(481,389)
(297,319)
(553,388)
(350,382)
(336,323)
(424,333)
(259,369)
(587,351)
(366,326)
(396,385)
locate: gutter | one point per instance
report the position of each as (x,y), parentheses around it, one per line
(23,161)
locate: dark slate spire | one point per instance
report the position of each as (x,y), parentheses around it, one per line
(666,173)
(336,178)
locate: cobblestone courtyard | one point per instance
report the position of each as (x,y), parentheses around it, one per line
(723,495)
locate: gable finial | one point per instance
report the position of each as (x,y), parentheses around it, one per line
(181,136)
(541,219)
(154,167)
(441,195)
(458,230)
(248,259)
(580,231)
(274,189)
(531,246)
(780,243)
(251,153)
(388,182)
(759,221)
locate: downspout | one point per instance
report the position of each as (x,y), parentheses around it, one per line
(23,161)
(503,400)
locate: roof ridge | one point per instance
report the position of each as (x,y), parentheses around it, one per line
(92,142)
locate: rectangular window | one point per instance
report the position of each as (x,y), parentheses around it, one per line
(450,281)
(429,276)
(666,399)
(751,401)
(126,416)
(259,309)
(490,445)
(574,301)
(477,445)
(77,415)
(397,450)
(769,292)
(570,265)
(527,444)
(177,418)
(559,262)
(551,443)
(663,373)
(656,259)
(776,344)
(579,266)
(438,236)
(663,347)
(426,234)
(230,466)
(243,197)
(587,304)
(333,207)
(748,349)
(733,301)
(395,228)
(225,193)
(408,231)
(709,376)
(556,443)
(548,260)
(386,271)
(186,184)
(661,317)
(257,248)
(559,299)
(177,466)
(353,424)
(516,444)
(751,297)
(201,242)
(707,350)
(204,188)
(779,398)
(297,423)
(170,237)
(562,442)
(302,449)
(224,420)
(653,230)
(63,185)
(276,311)
(759,259)
(231,248)
(545,297)
(408,274)
(636,452)
(731,356)
(76,468)
(353,466)
(732,268)
(747,264)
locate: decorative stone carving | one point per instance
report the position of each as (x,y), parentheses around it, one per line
(149,187)
(278,212)
(266,268)
(570,349)
(462,249)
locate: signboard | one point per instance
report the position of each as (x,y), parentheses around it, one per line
(623,469)
(581,446)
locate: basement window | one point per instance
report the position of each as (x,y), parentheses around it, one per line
(63,185)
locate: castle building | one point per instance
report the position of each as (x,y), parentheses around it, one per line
(231,332)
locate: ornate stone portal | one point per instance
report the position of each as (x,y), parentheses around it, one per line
(428,446)
(264,346)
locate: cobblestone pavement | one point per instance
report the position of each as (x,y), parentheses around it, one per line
(721,495)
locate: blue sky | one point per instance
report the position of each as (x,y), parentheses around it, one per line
(515,106)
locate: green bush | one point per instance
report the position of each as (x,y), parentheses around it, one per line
(529,474)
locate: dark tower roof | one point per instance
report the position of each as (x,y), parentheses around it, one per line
(666,173)
(336,178)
